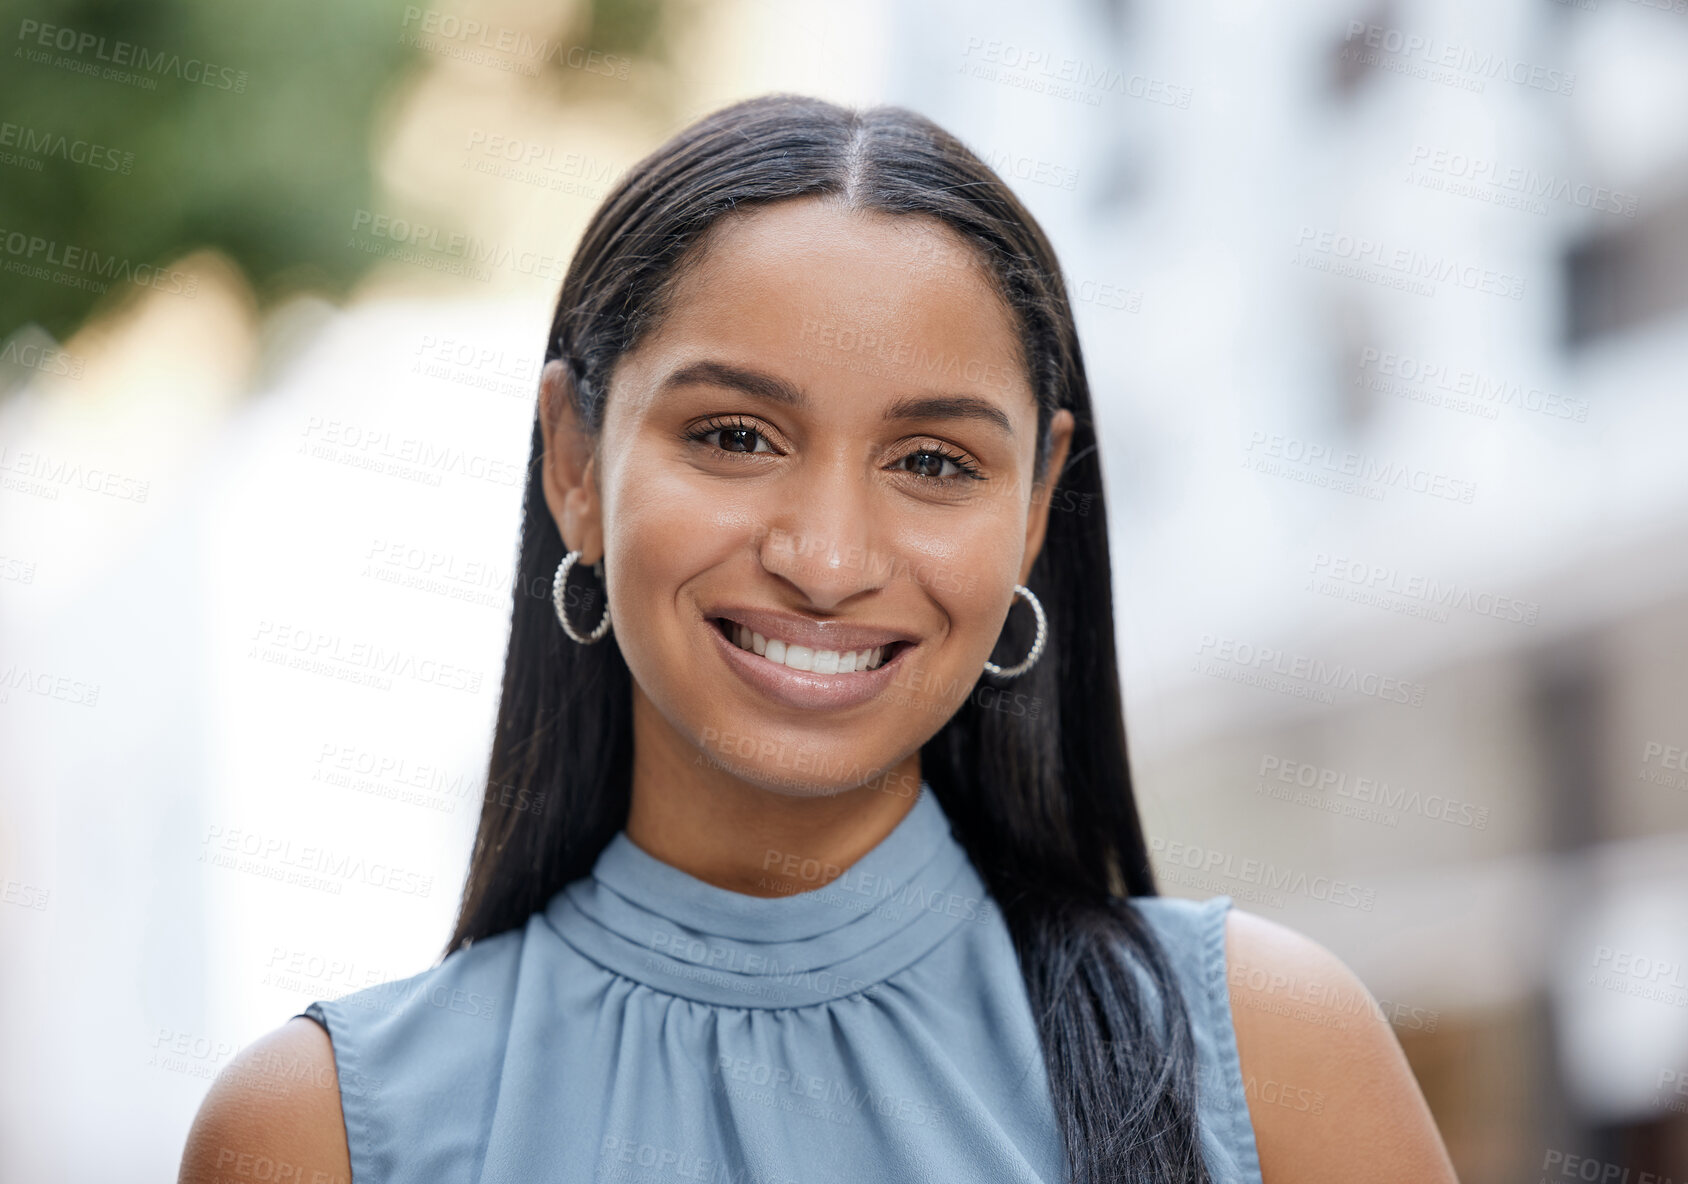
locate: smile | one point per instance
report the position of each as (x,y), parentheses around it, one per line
(805,658)
(809,678)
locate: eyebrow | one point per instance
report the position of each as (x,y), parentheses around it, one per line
(778,390)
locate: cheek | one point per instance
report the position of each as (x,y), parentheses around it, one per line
(966,562)
(661,534)
(964,565)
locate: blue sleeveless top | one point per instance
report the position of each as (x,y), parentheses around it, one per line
(646,1026)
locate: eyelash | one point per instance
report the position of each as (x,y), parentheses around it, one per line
(709,427)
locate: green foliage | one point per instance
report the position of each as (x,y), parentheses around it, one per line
(239,125)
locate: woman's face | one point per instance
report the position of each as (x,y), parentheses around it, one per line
(828,441)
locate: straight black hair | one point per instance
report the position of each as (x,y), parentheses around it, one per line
(1044,806)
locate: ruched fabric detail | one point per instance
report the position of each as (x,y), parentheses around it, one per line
(646,1026)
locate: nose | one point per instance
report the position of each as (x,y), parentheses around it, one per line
(826,530)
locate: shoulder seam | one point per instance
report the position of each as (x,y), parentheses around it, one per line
(1241,1127)
(353,1113)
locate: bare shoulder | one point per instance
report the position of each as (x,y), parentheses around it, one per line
(277,1101)
(1330,1093)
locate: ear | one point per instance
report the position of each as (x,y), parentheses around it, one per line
(568,472)
(1037,520)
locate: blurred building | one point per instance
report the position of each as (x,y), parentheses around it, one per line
(1384,310)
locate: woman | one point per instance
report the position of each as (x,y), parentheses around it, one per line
(811,860)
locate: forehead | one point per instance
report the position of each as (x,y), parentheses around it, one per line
(847,295)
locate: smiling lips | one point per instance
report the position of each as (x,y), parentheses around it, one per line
(805,663)
(802,657)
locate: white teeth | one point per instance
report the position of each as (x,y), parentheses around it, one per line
(801,657)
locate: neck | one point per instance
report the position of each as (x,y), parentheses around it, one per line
(694,814)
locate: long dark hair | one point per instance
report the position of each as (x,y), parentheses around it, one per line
(1044,806)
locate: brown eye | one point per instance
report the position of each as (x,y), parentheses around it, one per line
(928,464)
(737,436)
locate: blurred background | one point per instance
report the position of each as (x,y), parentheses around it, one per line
(1386,312)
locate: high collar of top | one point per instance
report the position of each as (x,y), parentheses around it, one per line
(652,922)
